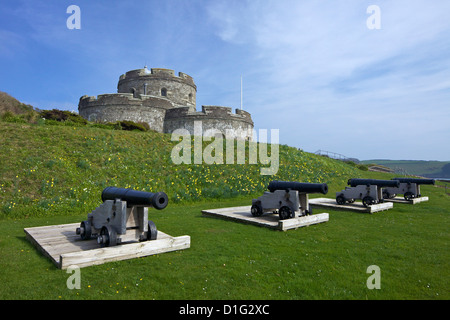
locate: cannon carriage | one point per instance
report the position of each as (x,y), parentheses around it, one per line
(288,199)
(409,187)
(122,217)
(370,191)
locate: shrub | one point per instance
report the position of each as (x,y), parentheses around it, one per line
(63,115)
(130,125)
(145,125)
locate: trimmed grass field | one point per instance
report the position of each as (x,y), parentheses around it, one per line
(54,175)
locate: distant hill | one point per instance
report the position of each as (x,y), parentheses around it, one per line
(11,104)
(430,169)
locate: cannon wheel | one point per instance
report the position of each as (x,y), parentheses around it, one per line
(86,230)
(284,213)
(107,237)
(386,194)
(256,210)
(340,200)
(408,195)
(367,201)
(152,232)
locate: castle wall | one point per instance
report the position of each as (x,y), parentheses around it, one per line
(117,107)
(238,125)
(181,89)
(168,104)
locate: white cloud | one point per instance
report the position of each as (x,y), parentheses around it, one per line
(323,67)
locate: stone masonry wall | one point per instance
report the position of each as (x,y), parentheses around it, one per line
(117,107)
(180,90)
(238,125)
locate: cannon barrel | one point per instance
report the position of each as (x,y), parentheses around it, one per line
(298,186)
(379,183)
(158,200)
(415,180)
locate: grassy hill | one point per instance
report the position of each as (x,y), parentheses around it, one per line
(11,104)
(47,170)
(431,169)
(54,174)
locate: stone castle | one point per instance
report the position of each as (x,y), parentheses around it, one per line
(166,102)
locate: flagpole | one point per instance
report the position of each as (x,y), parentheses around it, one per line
(241,92)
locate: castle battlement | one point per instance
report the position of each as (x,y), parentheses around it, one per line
(157,73)
(123,99)
(209,112)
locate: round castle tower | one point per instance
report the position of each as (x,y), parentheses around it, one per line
(159,82)
(166,102)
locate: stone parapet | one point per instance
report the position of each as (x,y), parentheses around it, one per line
(117,106)
(209,112)
(237,125)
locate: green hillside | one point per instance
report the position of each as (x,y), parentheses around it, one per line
(52,170)
(431,169)
(54,174)
(11,104)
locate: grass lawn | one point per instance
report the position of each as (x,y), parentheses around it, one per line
(229,260)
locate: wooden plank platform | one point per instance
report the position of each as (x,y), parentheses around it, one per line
(355,206)
(243,214)
(64,247)
(402,200)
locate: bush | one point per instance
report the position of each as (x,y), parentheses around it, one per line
(362,167)
(63,115)
(130,125)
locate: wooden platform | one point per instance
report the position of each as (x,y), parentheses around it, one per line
(356,206)
(402,200)
(65,248)
(242,214)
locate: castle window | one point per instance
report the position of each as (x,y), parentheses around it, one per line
(190,97)
(164,92)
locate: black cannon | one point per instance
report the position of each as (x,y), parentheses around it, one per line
(415,180)
(372,182)
(298,186)
(290,199)
(368,190)
(157,200)
(409,187)
(122,217)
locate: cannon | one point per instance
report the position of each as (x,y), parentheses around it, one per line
(375,182)
(299,186)
(368,190)
(409,187)
(122,217)
(289,199)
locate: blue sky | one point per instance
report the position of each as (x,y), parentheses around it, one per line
(312,69)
